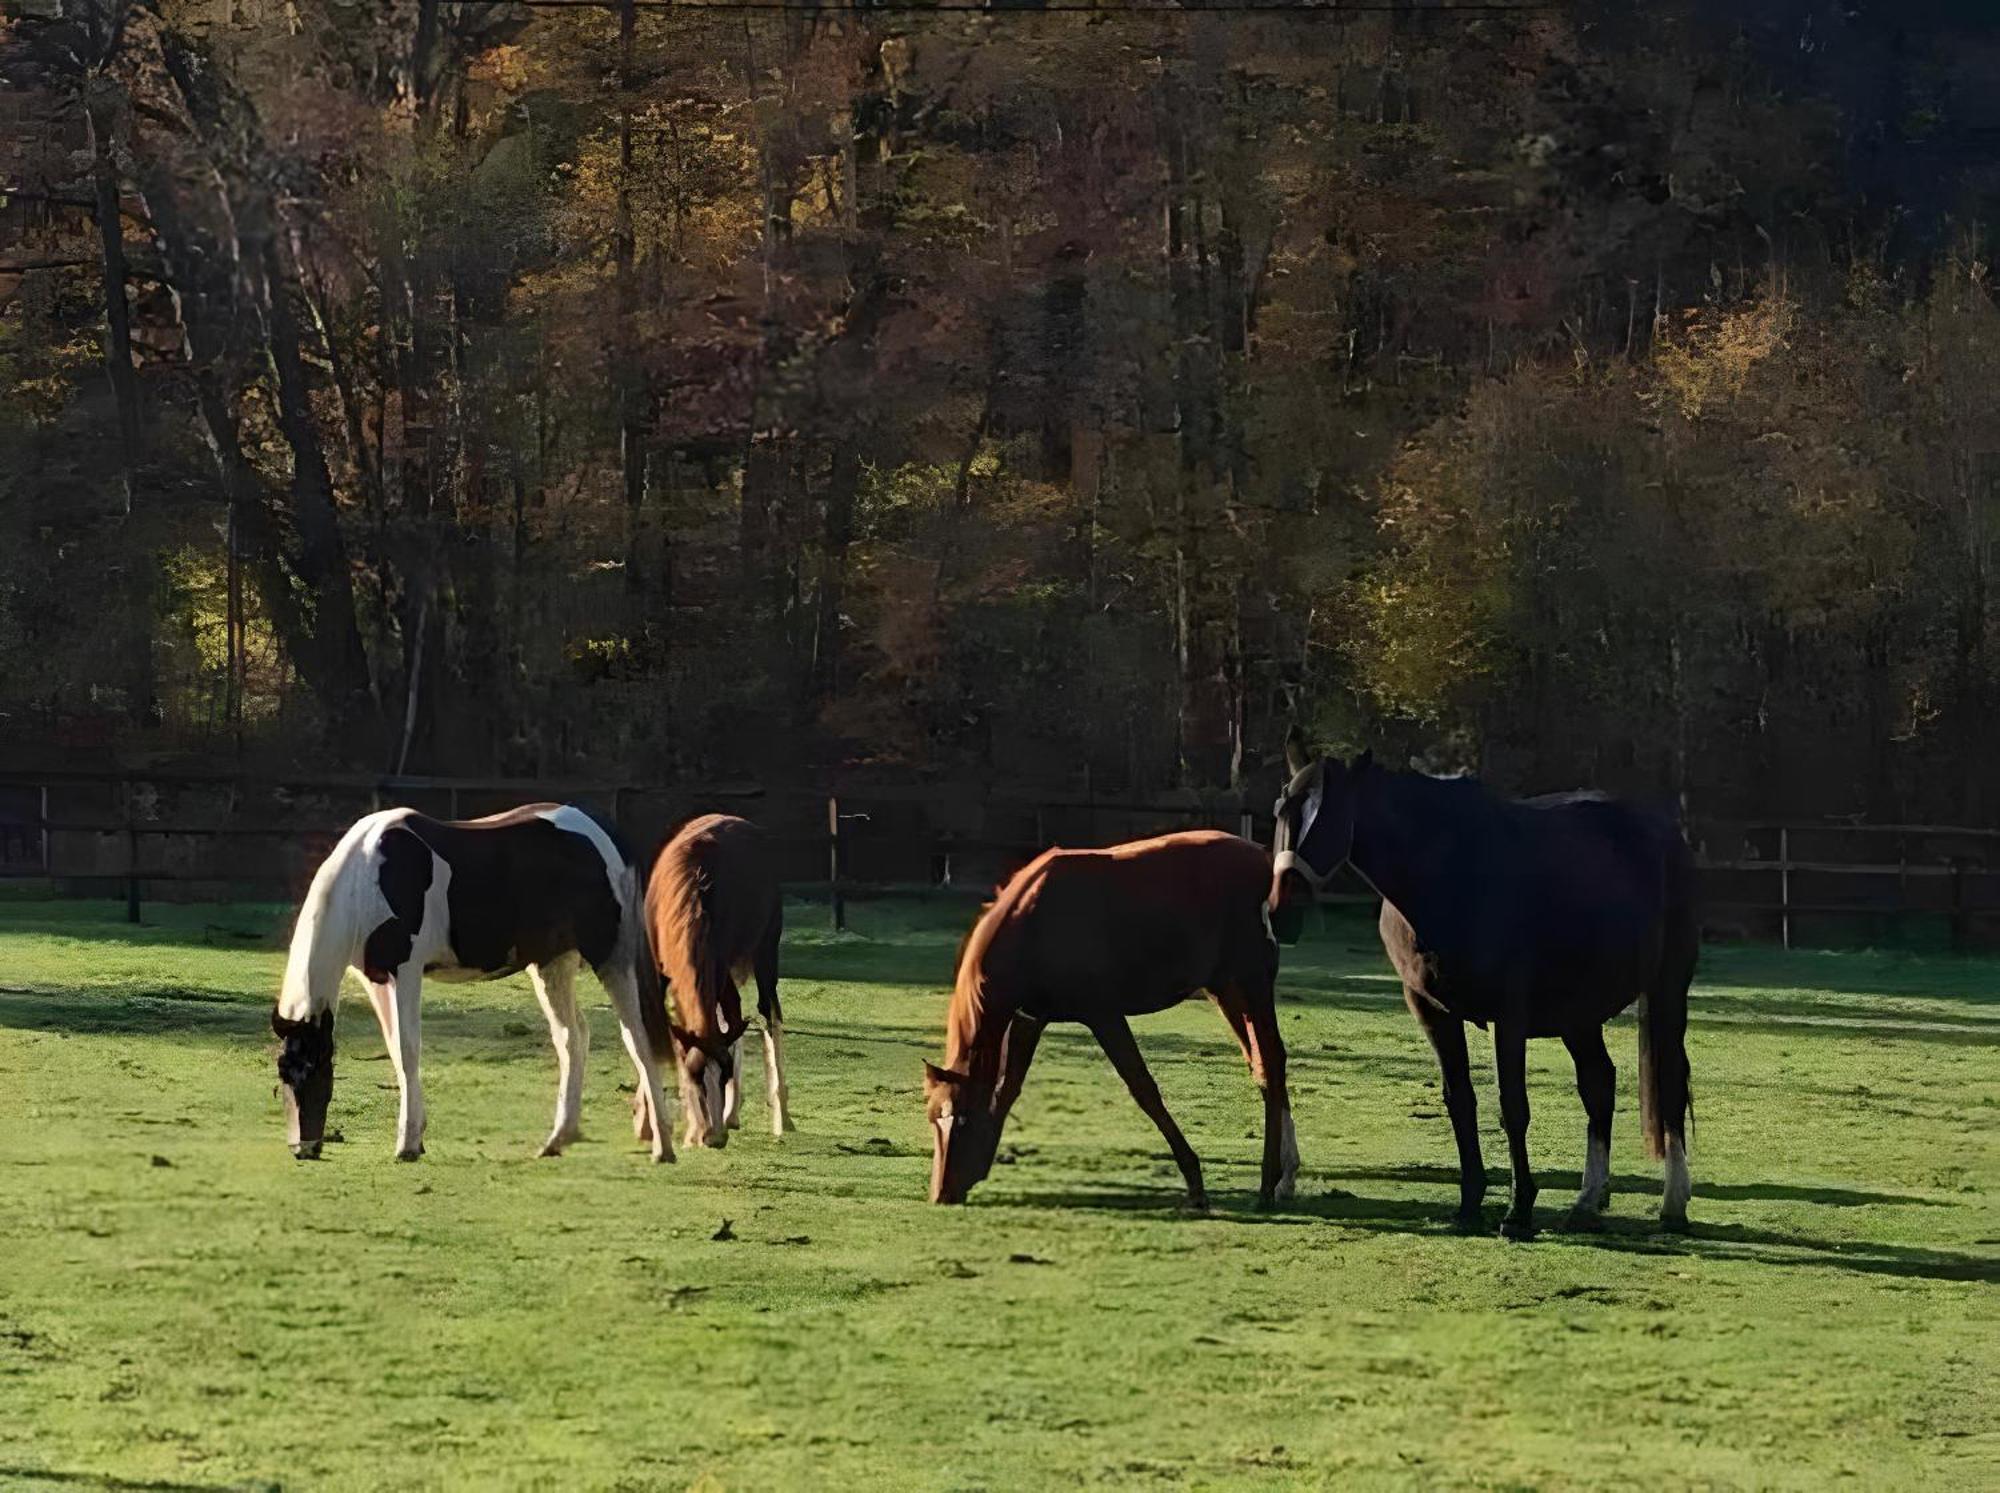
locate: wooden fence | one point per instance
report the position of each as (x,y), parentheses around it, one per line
(196,836)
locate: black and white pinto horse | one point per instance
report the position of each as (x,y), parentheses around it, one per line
(542,888)
(1543,917)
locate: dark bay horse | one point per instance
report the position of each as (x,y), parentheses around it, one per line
(1097,936)
(541,888)
(714,914)
(1543,917)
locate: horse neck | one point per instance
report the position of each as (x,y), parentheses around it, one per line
(973,1029)
(327,936)
(1407,836)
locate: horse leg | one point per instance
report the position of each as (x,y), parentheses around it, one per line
(1114,1035)
(771,1015)
(1447,1037)
(1281,1146)
(405,1051)
(1510,1061)
(1597,1086)
(621,984)
(555,988)
(731,1094)
(1017,1050)
(1235,1010)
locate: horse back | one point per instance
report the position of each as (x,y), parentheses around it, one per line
(524,887)
(1569,904)
(1139,927)
(713,895)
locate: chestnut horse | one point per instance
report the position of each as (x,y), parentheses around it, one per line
(1545,917)
(404,896)
(1097,936)
(714,913)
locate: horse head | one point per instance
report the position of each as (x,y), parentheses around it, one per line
(966,1132)
(708,1065)
(305,1071)
(1314,834)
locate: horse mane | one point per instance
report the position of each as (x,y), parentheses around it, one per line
(967,1016)
(334,918)
(682,933)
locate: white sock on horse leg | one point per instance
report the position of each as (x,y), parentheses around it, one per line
(774,1077)
(1680,1186)
(1596,1175)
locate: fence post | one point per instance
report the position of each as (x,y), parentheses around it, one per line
(1785,886)
(833,863)
(131,859)
(48,867)
(1247,826)
(1958,920)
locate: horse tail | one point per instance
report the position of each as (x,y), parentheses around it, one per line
(1665,1098)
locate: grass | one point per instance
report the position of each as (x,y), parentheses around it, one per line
(182,1305)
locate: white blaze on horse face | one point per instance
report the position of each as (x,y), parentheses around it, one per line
(711,1087)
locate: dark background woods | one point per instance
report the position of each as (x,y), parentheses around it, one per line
(1587,394)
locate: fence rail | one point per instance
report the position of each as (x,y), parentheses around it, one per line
(181,831)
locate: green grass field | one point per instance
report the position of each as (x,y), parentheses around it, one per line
(182,1305)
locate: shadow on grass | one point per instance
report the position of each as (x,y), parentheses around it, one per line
(166,1011)
(230,926)
(1627,1184)
(1622,1235)
(28,1477)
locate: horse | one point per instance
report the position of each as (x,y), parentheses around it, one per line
(1095,937)
(1543,917)
(542,888)
(714,914)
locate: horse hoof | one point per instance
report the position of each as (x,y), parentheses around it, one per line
(1197,1203)
(410,1155)
(1581,1220)
(1469,1220)
(550,1148)
(1674,1223)
(1517,1228)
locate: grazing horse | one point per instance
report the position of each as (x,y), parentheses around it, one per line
(540,888)
(1544,917)
(1096,936)
(714,913)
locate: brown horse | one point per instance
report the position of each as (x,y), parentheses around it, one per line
(1097,936)
(714,914)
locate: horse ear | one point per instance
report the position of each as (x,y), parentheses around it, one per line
(1297,753)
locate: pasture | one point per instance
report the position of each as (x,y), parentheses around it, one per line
(183,1305)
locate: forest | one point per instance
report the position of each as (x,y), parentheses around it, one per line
(1064,396)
